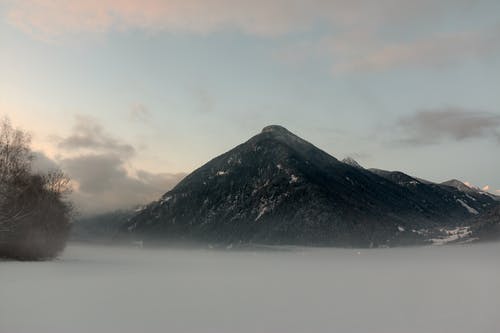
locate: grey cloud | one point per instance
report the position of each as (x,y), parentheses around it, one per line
(436,125)
(104,183)
(95,173)
(100,167)
(88,134)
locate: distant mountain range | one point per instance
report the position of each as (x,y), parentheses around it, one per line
(277,188)
(103,227)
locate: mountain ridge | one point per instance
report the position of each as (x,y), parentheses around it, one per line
(277,188)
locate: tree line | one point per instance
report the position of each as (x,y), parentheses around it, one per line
(35,215)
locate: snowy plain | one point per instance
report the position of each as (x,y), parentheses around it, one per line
(124,289)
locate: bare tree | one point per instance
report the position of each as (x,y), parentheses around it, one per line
(15,161)
(34,215)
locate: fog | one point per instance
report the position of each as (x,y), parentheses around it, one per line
(120,289)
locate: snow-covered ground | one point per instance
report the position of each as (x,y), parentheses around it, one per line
(117,289)
(453,235)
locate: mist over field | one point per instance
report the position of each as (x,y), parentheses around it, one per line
(125,289)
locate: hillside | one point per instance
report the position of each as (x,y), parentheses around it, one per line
(277,188)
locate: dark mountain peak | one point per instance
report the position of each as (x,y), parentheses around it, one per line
(277,142)
(280,133)
(453,182)
(352,162)
(276,129)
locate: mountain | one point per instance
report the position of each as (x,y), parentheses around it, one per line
(472,190)
(460,186)
(487,225)
(100,227)
(471,201)
(277,188)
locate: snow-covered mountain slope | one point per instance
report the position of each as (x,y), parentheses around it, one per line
(471,201)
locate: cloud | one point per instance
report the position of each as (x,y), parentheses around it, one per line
(497,192)
(365,51)
(436,125)
(100,167)
(56,17)
(88,134)
(486,188)
(103,183)
(42,163)
(356,31)
(257,17)
(95,173)
(434,51)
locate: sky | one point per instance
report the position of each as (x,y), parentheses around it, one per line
(129,96)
